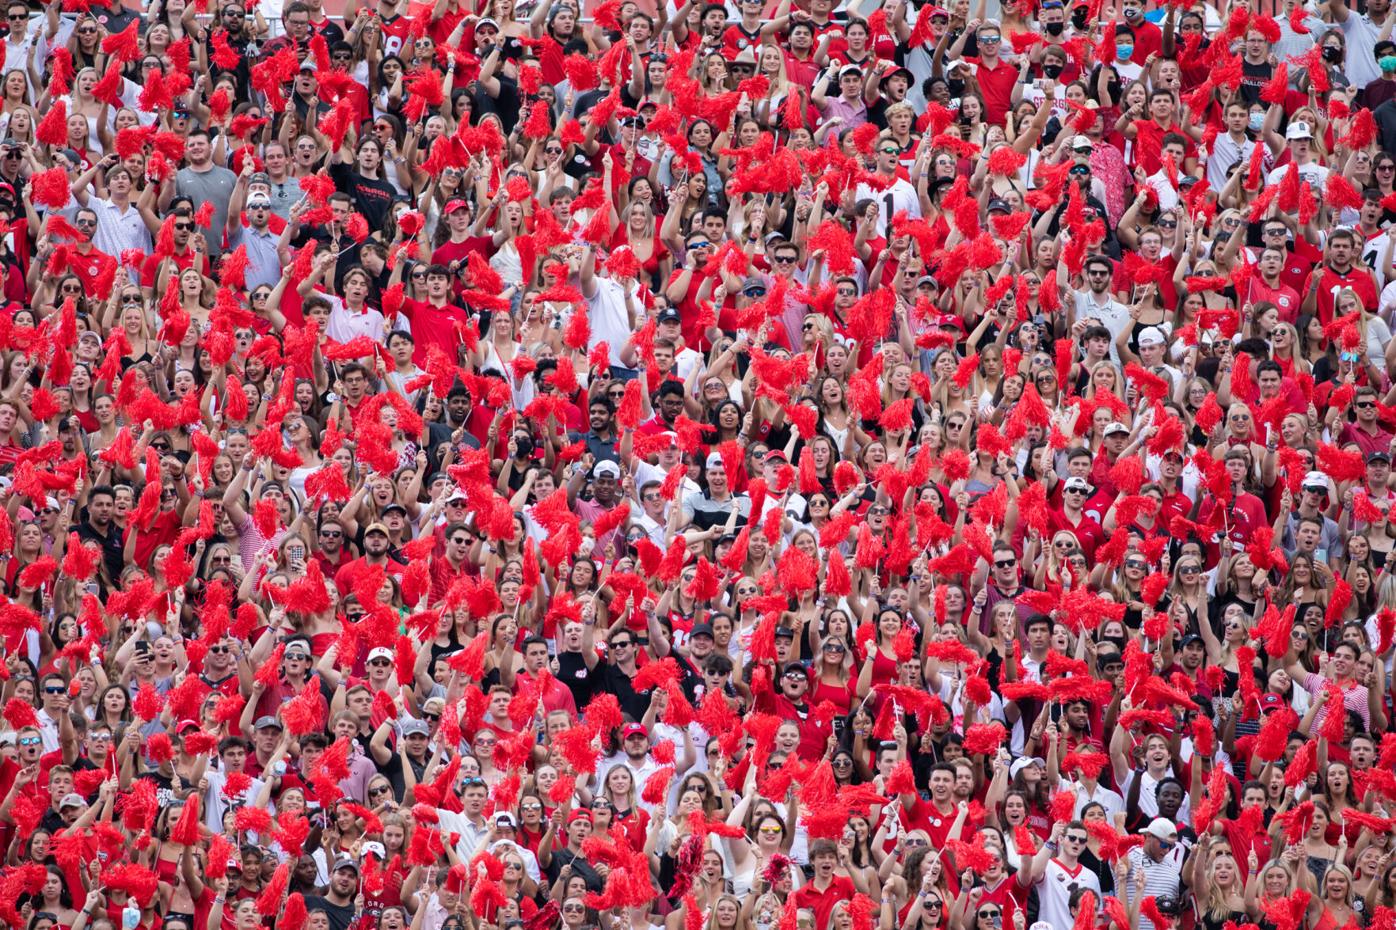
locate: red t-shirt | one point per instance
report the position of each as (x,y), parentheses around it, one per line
(1148,144)
(182,261)
(822,902)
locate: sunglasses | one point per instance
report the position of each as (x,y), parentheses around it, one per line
(30,741)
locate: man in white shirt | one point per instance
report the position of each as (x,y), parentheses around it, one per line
(119,224)
(469,823)
(1300,139)
(1097,303)
(1230,147)
(20,39)
(1057,871)
(612,304)
(899,196)
(1161,859)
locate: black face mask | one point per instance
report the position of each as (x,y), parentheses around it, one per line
(955,86)
(1079,17)
(523,445)
(1052,71)
(1119,642)
(1332,55)
(1054,29)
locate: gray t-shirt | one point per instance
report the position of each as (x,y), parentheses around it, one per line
(213,186)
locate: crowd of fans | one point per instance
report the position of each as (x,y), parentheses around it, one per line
(499,466)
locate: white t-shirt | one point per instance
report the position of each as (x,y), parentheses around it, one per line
(610,322)
(1054,890)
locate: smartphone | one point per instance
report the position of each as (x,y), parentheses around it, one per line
(295,553)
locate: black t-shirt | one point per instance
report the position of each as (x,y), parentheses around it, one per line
(340,916)
(583,682)
(373,197)
(392,770)
(1253,78)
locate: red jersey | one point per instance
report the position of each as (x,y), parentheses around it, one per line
(1330,282)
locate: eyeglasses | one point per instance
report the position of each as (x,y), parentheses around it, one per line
(1135,564)
(573,909)
(846,291)
(1073,490)
(1098,274)
(1074,838)
(99,737)
(381,789)
(1167,224)
(990,40)
(774,831)
(989,914)
(30,741)
(929,905)
(622,645)
(332,534)
(473,781)
(59,690)
(431,718)
(183,227)
(785,259)
(1005,563)
(842,763)
(889,151)
(1365,404)
(85,222)
(381,663)
(218,650)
